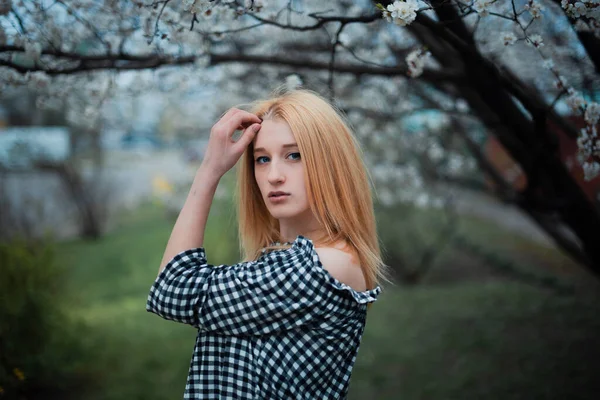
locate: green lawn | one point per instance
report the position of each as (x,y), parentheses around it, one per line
(494,340)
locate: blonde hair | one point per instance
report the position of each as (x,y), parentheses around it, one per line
(337,183)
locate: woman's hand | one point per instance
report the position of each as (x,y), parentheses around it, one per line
(222,152)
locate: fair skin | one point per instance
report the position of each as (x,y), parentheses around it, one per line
(277,168)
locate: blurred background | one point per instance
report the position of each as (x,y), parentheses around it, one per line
(478,123)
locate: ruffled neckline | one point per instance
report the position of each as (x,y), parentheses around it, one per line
(306,245)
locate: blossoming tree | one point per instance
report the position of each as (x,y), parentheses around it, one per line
(423,82)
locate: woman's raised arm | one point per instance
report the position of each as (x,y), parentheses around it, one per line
(188,231)
(222,153)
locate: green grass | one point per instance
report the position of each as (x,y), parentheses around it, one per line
(475,341)
(407,233)
(494,340)
(142,355)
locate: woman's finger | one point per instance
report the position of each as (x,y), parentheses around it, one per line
(225,117)
(247,136)
(240,118)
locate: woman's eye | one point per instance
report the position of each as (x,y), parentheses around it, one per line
(263,159)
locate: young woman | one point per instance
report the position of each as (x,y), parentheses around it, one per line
(285,323)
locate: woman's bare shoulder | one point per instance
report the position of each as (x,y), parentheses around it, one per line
(343,264)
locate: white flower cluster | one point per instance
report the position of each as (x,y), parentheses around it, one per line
(403,184)
(534,8)
(535,40)
(415,60)
(39,80)
(590,170)
(588,142)
(575,102)
(592,113)
(561,83)
(196,6)
(548,63)
(588,145)
(255,5)
(584,8)
(508,38)
(401,12)
(482,7)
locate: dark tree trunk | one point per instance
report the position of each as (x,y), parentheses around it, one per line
(551,188)
(90,223)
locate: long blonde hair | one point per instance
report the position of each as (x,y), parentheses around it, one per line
(337,182)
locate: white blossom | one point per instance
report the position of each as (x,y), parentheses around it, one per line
(579,9)
(39,80)
(535,40)
(561,83)
(415,60)
(581,26)
(344,39)
(171,17)
(535,9)
(590,170)
(482,7)
(202,61)
(401,12)
(255,5)
(548,63)
(588,143)
(188,4)
(585,8)
(575,102)
(461,105)
(292,82)
(592,113)
(508,38)
(196,6)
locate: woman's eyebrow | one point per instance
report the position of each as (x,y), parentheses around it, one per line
(256,150)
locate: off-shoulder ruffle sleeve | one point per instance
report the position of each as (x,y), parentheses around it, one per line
(281,290)
(306,246)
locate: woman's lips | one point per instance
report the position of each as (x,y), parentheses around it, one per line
(279,198)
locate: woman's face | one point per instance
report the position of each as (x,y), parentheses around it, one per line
(278,167)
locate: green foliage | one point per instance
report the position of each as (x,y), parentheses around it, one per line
(41,348)
(142,356)
(500,340)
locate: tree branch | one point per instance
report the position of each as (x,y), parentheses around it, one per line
(428,75)
(321,21)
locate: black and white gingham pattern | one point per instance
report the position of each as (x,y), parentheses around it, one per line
(279,327)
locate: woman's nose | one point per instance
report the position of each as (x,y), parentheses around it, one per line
(275,173)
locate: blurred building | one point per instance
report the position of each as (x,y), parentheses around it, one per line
(22,146)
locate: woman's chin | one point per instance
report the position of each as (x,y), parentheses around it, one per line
(283,214)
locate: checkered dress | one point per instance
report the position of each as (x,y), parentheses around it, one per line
(279,327)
